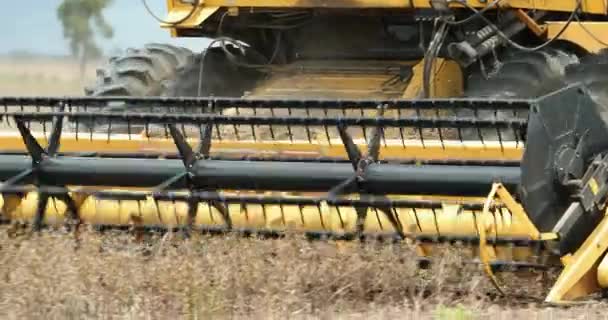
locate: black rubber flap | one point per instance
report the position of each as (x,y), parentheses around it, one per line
(557,121)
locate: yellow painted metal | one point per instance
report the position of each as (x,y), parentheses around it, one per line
(537,29)
(360,79)
(590,35)
(452,220)
(487,254)
(548,236)
(580,275)
(178,13)
(357,80)
(333,79)
(178,9)
(602,273)
(519,213)
(447,80)
(409,149)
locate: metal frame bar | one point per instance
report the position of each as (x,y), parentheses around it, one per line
(199,119)
(224,102)
(267,175)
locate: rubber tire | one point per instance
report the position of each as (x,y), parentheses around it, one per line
(220,78)
(593,73)
(141,72)
(522,75)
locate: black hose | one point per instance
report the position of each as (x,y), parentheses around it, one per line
(430,56)
(195,5)
(518,46)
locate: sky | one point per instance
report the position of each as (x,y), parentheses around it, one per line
(32,25)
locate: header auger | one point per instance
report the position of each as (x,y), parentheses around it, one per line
(342,170)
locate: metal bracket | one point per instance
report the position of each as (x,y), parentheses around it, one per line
(579,276)
(591,194)
(569,163)
(356,183)
(537,29)
(39,155)
(486,255)
(36,152)
(190,158)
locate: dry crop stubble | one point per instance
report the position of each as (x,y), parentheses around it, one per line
(111,275)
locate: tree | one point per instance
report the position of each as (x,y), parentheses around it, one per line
(82,20)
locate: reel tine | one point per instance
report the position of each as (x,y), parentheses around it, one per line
(204,146)
(128,129)
(360,223)
(253,126)
(353,152)
(109,133)
(393,218)
(191,216)
(289,131)
(55,140)
(373,151)
(222,208)
(43,199)
(271,127)
(219,132)
(31,144)
(188,156)
(73,218)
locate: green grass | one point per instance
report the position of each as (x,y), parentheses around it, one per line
(458,312)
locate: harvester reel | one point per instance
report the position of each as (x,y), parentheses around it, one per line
(342,192)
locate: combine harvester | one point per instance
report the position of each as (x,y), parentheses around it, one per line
(350,120)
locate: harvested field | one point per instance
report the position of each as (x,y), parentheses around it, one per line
(109,275)
(42,76)
(54,275)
